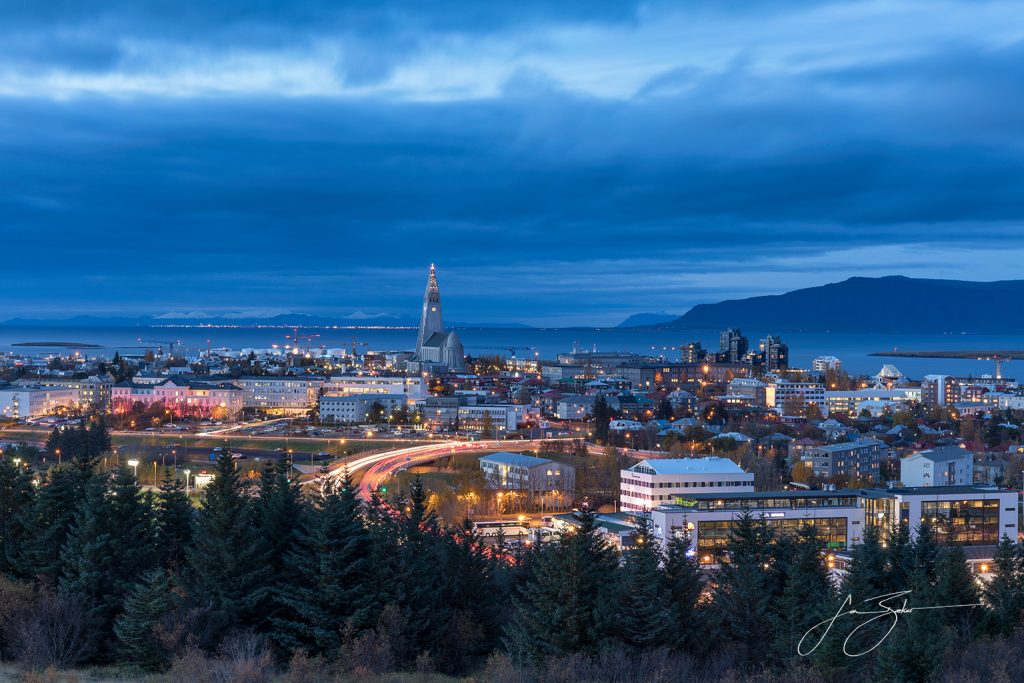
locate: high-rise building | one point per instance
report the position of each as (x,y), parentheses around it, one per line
(436,348)
(733,345)
(693,352)
(774,354)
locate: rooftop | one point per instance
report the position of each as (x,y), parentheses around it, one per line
(516,459)
(944,454)
(709,465)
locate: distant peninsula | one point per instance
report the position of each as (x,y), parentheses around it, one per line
(882,305)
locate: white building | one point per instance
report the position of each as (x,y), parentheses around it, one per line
(651,483)
(973,516)
(355,409)
(413,388)
(852,402)
(826,363)
(521,472)
(504,417)
(280,394)
(625,426)
(20,401)
(782,394)
(946,466)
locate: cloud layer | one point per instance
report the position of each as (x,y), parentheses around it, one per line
(563,164)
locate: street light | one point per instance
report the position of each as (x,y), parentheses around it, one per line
(187,473)
(134,464)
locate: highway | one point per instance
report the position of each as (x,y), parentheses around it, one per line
(380,466)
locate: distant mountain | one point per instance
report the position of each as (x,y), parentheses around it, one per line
(892,304)
(357,319)
(647,319)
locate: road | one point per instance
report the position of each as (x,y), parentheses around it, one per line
(380,466)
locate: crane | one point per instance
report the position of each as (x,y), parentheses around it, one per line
(299,338)
(161,342)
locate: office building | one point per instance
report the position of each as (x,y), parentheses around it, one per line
(521,472)
(859,459)
(945,466)
(732,345)
(650,483)
(281,394)
(357,408)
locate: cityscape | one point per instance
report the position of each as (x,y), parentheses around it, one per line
(544,342)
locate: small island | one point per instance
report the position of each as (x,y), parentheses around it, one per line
(60,344)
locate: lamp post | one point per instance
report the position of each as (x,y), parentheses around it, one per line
(187,473)
(134,464)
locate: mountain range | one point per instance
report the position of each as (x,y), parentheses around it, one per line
(357,319)
(892,304)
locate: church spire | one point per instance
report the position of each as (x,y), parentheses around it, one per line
(430,319)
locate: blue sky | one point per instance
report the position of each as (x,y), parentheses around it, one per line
(563,162)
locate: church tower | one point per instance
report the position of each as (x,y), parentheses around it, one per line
(430,319)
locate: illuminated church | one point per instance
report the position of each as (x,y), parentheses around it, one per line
(437,349)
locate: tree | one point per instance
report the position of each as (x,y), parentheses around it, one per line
(568,605)
(1004,592)
(684,580)
(50,520)
(746,588)
(109,548)
(227,572)
(806,593)
(16,497)
(643,612)
(174,516)
(138,628)
(329,584)
(487,426)
(602,416)
(279,512)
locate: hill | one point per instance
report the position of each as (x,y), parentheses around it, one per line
(892,304)
(647,319)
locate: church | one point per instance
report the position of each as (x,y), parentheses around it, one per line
(437,349)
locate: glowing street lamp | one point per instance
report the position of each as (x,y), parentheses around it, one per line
(134,464)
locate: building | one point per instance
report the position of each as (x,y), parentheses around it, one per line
(774,354)
(853,401)
(575,407)
(945,466)
(181,397)
(693,352)
(732,345)
(860,459)
(826,363)
(650,483)
(413,388)
(793,398)
(521,472)
(280,394)
(939,390)
(437,349)
(973,516)
(754,389)
(504,417)
(22,401)
(93,391)
(356,408)
(649,376)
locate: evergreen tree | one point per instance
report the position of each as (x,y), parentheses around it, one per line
(109,548)
(280,511)
(955,585)
(684,580)
(50,521)
(867,576)
(746,587)
(1004,592)
(806,593)
(568,605)
(138,629)
(226,571)
(328,585)
(899,559)
(643,613)
(913,651)
(602,416)
(174,520)
(16,498)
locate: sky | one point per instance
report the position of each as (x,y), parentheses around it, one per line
(564,163)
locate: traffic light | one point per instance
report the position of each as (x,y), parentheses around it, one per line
(383,489)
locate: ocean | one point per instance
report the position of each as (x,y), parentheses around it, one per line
(852,349)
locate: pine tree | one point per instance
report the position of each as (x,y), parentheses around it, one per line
(280,510)
(644,612)
(174,521)
(329,581)
(746,587)
(1004,592)
(899,559)
(684,580)
(867,576)
(138,627)
(226,571)
(806,594)
(568,605)
(50,520)
(955,585)
(16,498)
(109,548)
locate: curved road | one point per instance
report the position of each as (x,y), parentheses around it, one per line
(386,464)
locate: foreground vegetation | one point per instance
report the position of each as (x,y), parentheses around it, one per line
(267,582)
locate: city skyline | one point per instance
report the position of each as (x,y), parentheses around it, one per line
(303,157)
